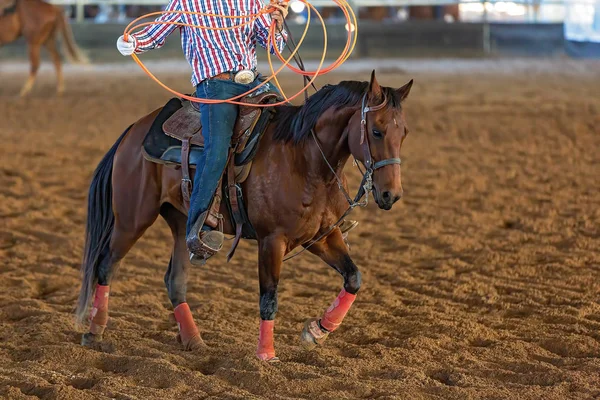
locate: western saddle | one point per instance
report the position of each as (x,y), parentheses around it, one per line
(175,139)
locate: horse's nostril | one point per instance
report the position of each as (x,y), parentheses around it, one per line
(387,196)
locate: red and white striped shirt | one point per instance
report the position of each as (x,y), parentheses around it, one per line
(211,52)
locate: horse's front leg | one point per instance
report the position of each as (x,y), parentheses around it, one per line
(334,252)
(270,257)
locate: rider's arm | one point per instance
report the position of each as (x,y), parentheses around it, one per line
(263,23)
(154,36)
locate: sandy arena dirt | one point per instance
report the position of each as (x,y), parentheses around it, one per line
(483,283)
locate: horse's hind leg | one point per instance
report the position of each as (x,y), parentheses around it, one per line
(53,50)
(334,252)
(176,280)
(125,233)
(108,263)
(34,59)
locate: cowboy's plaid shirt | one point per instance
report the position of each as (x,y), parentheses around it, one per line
(212,52)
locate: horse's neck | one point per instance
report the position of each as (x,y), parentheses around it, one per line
(332,137)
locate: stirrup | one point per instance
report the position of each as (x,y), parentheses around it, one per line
(348,225)
(203,244)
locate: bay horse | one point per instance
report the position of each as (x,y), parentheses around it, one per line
(39,23)
(292,197)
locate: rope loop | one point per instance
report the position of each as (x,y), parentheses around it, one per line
(273,6)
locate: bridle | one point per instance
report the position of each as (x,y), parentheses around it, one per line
(366,185)
(364,140)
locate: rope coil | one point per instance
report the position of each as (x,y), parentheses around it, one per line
(272,7)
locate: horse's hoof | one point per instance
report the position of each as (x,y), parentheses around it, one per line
(271,359)
(312,334)
(88,339)
(194,344)
(197,260)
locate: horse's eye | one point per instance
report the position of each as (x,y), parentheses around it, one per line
(377,134)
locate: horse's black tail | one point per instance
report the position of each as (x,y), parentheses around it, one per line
(100,223)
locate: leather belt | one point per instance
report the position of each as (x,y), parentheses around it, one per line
(244,76)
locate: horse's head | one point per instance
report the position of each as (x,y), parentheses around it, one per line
(376,133)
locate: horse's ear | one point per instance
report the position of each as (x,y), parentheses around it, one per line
(374,88)
(404,91)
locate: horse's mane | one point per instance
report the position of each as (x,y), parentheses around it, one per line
(294,123)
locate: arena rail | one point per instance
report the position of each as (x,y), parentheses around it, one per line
(80,4)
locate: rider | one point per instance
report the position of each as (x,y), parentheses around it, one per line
(224,66)
(223,62)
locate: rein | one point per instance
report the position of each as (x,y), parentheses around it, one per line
(366,185)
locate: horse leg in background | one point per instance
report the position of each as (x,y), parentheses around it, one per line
(334,252)
(53,50)
(270,257)
(176,280)
(34,59)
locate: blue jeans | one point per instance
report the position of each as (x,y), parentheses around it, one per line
(218,121)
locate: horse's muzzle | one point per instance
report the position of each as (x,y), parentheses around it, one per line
(386,200)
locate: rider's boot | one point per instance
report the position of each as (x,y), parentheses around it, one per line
(203,244)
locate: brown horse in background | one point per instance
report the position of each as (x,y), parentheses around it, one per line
(39,23)
(292,197)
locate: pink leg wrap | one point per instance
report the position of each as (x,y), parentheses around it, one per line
(266,350)
(335,314)
(99,313)
(185,322)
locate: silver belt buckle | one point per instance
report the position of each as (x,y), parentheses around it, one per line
(244,76)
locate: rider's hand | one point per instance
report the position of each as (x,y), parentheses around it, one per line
(280,14)
(278,18)
(126,46)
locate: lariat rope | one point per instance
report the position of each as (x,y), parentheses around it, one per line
(272,7)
